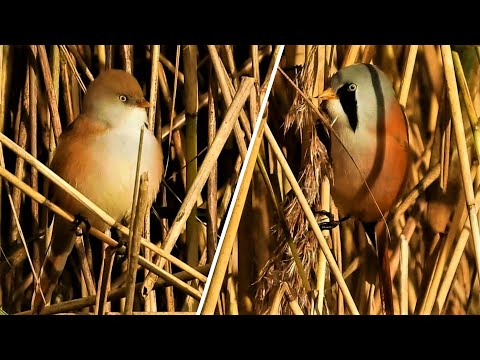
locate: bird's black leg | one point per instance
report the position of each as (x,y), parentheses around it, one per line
(328,225)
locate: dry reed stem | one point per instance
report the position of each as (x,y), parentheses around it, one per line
(312,221)
(179,120)
(232,286)
(52,98)
(407,75)
(212,229)
(17,223)
(20,173)
(225,85)
(455,258)
(102,237)
(255,64)
(337,250)
(171,67)
(292,301)
(175,85)
(77,304)
(368,53)
(410,198)
(277,299)
(86,202)
(126,52)
(150,300)
(203,173)
(223,81)
(67,92)
(108,57)
(452,268)
(472,116)
(101,305)
(87,274)
(134,248)
(462,148)
(190,54)
(228,192)
(351,56)
(458,218)
(404,255)
(216,280)
(322,261)
(32,64)
(78,57)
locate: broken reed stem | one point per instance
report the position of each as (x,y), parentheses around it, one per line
(407,75)
(134,249)
(84,201)
(312,221)
(455,108)
(208,163)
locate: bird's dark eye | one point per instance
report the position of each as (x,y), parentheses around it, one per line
(123,98)
(347,97)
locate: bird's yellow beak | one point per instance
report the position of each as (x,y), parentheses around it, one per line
(327,94)
(142,103)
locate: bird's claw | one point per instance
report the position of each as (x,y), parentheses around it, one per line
(77,225)
(328,225)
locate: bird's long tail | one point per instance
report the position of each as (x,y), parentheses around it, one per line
(63,240)
(379,239)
